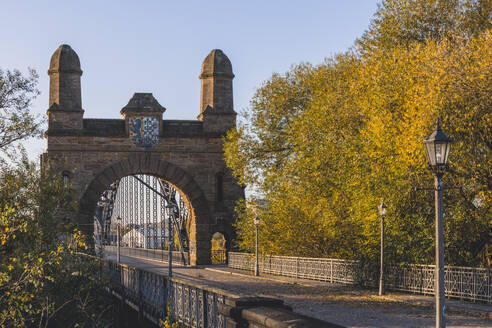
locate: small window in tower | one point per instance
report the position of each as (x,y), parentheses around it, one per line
(66,178)
(220,187)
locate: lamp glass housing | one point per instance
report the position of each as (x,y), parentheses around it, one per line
(256,221)
(437,145)
(437,152)
(382,209)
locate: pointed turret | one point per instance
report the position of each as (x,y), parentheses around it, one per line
(65,111)
(216,107)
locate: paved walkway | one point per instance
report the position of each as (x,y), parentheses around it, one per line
(341,304)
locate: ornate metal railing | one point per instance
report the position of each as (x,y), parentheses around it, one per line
(332,270)
(199,305)
(474,284)
(182,258)
(190,305)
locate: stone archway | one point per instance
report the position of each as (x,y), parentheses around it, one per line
(145,163)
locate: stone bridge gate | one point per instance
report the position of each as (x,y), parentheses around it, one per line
(93,153)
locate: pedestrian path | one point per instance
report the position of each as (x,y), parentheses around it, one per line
(344,305)
(483,310)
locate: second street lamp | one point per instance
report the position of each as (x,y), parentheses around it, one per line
(382,212)
(118,223)
(256,221)
(170,213)
(437,146)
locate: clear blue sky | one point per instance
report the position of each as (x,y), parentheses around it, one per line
(158,46)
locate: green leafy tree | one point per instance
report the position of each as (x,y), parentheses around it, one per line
(16,95)
(45,281)
(44,278)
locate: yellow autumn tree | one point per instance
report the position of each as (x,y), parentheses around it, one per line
(323,144)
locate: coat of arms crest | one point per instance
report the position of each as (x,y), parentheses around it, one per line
(144,131)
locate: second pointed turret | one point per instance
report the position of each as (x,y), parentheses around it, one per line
(216,93)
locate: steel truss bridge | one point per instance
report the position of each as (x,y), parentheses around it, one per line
(152,212)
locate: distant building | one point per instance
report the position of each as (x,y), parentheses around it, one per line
(144,238)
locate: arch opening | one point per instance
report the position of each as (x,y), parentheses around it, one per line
(199,212)
(146,214)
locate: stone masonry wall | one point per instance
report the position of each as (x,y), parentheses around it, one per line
(201,158)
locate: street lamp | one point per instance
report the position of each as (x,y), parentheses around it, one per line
(382,212)
(170,208)
(256,221)
(438,145)
(118,222)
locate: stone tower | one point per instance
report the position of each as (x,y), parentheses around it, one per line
(65,111)
(216,106)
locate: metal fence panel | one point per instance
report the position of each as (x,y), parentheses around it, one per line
(191,306)
(474,284)
(153,254)
(332,270)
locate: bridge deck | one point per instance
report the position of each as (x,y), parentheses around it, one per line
(344,305)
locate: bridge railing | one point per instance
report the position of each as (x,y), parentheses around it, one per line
(151,293)
(474,284)
(153,254)
(199,306)
(331,270)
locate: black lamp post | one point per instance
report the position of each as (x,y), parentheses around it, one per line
(256,221)
(101,204)
(438,145)
(170,212)
(382,212)
(118,223)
